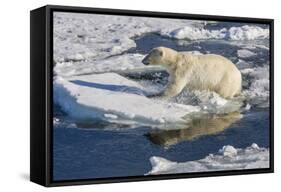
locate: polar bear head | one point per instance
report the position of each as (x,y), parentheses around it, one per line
(161,56)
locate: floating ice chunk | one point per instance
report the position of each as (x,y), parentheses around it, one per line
(93,96)
(247,32)
(56,121)
(110,116)
(255,146)
(193,33)
(247,107)
(218,101)
(159,163)
(244,53)
(115,63)
(259,82)
(60,123)
(262,47)
(71,125)
(252,47)
(247,71)
(228,158)
(228,151)
(241,64)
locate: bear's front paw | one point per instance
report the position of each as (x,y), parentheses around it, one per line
(155,95)
(160,95)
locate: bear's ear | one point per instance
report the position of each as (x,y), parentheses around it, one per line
(161,52)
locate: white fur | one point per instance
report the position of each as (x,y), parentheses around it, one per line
(198,72)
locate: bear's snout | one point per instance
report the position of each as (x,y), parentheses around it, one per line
(145,61)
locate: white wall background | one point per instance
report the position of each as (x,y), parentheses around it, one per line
(14,94)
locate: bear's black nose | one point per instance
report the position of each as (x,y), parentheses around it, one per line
(145,61)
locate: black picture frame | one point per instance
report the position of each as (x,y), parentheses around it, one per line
(41,99)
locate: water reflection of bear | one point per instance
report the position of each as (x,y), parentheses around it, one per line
(198,126)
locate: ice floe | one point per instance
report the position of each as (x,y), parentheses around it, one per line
(227,158)
(193,33)
(245,32)
(111,97)
(79,37)
(114,63)
(244,53)
(258,79)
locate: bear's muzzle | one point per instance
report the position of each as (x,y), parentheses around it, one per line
(145,61)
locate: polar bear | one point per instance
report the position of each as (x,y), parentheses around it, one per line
(196,72)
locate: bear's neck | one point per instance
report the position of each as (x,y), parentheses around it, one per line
(179,60)
(172,57)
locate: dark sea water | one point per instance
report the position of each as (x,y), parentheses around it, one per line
(97,153)
(100,150)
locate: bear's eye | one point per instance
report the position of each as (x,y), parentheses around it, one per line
(157,52)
